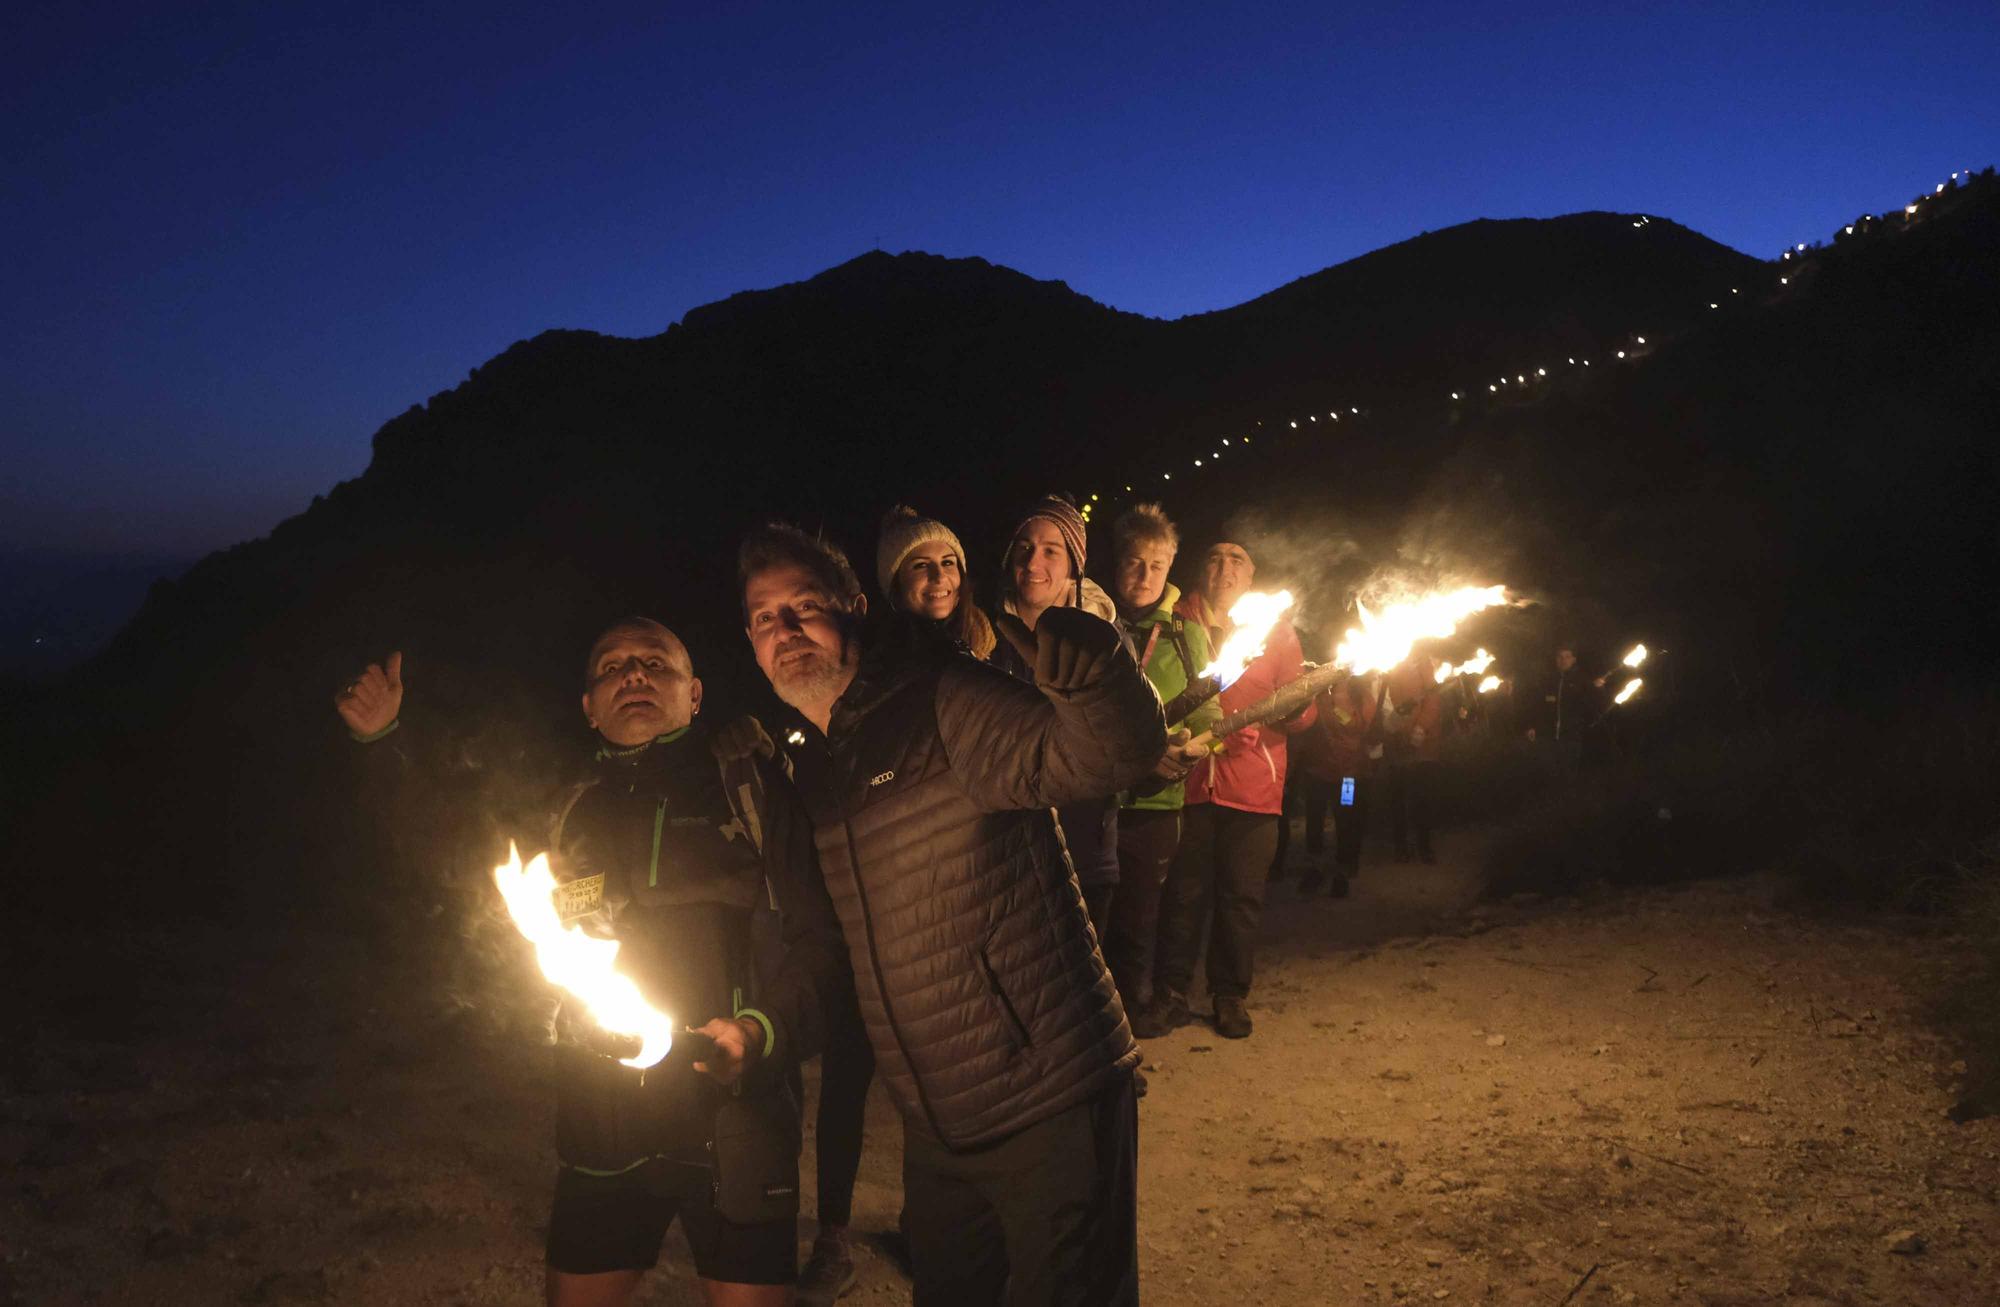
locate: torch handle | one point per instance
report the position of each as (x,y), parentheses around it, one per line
(1198,692)
(694,1045)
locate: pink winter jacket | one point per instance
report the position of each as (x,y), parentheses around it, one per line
(1249,773)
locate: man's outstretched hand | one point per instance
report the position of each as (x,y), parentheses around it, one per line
(372,700)
(1069,649)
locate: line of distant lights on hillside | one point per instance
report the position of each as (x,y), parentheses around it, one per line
(1520,380)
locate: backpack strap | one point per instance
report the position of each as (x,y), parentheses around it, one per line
(743,786)
(1179,635)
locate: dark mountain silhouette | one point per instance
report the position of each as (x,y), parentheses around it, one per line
(1730,482)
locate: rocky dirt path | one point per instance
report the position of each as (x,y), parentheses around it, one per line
(1680,1096)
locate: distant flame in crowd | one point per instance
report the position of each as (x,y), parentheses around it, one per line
(1473,666)
(580,963)
(1633,659)
(1253,615)
(1386,638)
(1631,688)
(1489,685)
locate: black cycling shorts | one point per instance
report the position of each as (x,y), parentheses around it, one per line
(616,1223)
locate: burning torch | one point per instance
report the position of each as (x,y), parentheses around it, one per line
(1381,643)
(634,1031)
(1251,618)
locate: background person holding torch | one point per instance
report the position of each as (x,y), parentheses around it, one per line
(1172,651)
(668,850)
(1229,830)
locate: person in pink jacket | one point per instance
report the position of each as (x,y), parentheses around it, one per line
(1230,824)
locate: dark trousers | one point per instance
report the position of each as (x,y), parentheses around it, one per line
(1410,787)
(1045,1218)
(1312,796)
(1097,901)
(1224,860)
(1146,843)
(845,1070)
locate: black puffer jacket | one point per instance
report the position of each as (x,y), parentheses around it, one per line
(986,1001)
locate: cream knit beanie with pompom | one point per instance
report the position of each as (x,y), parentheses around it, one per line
(902,531)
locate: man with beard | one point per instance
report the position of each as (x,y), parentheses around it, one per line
(670,853)
(929,778)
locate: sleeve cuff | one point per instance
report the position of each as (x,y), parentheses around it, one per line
(763,1022)
(381,734)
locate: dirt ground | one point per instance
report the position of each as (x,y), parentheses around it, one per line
(1690,1095)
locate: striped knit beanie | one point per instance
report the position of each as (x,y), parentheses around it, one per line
(1068,523)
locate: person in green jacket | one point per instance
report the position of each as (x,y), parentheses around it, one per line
(1172,651)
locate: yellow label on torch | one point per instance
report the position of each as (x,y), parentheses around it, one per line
(580,897)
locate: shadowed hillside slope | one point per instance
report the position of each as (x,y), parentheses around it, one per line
(576,477)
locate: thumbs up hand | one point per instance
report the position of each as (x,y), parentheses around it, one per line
(372,700)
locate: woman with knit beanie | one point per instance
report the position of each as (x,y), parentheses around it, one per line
(921,566)
(1044,570)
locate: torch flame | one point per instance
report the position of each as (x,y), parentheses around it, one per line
(1253,616)
(1489,685)
(1631,688)
(580,963)
(1637,656)
(1473,666)
(1386,639)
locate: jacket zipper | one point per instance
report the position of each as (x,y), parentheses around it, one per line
(1020,1028)
(881,984)
(659,820)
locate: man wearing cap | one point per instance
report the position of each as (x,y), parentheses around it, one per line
(1229,828)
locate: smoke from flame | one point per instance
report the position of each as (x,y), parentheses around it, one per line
(1253,615)
(580,963)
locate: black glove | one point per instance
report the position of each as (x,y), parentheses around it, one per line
(1069,649)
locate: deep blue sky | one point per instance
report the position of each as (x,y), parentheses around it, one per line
(240,237)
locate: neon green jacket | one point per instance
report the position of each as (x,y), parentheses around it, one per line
(1173,649)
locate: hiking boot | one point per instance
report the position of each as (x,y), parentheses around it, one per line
(828,1273)
(1231,1020)
(1163,1018)
(1337,886)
